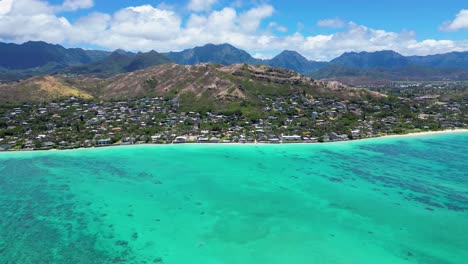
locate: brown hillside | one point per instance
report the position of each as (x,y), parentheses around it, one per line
(40,88)
(217,82)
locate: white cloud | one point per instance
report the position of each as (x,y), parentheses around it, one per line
(460,22)
(5,6)
(237,3)
(142,28)
(89,29)
(32,20)
(200,5)
(30,7)
(332,23)
(359,38)
(72,5)
(262,56)
(250,20)
(282,29)
(166,6)
(145,22)
(275,26)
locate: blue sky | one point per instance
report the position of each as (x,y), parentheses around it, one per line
(320,30)
(397,15)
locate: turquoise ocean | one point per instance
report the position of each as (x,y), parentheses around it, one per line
(387,200)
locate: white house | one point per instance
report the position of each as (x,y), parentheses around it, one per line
(291,138)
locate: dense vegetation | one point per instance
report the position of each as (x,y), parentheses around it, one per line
(38,58)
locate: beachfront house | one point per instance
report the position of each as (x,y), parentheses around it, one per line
(179,140)
(48,144)
(203,140)
(291,138)
(214,140)
(355,133)
(103,142)
(274,140)
(336,137)
(155,139)
(128,140)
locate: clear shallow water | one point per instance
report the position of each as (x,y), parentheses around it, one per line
(394,200)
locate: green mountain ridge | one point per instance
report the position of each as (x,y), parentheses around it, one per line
(119,62)
(40,58)
(224,54)
(35,54)
(385,59)
(294,61)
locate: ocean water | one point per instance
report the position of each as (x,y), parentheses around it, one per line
(391,200)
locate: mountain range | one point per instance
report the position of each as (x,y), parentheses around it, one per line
(227,54)
(35,54)
(19,61)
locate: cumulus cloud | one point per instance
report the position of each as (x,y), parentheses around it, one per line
(30,8)
(145,22)
(32,20)
(331,23)
(72,5)
(460,22)
(5,6)
(362,38)
(250,20)
(89,29)
(200,5)
(142,28)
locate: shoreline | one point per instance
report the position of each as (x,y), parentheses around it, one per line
(427,133)
(388,136)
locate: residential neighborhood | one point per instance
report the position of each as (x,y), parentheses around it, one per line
(74,123)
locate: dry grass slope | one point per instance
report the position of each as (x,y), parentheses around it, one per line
(56,89)
(209,81)
(40,89)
